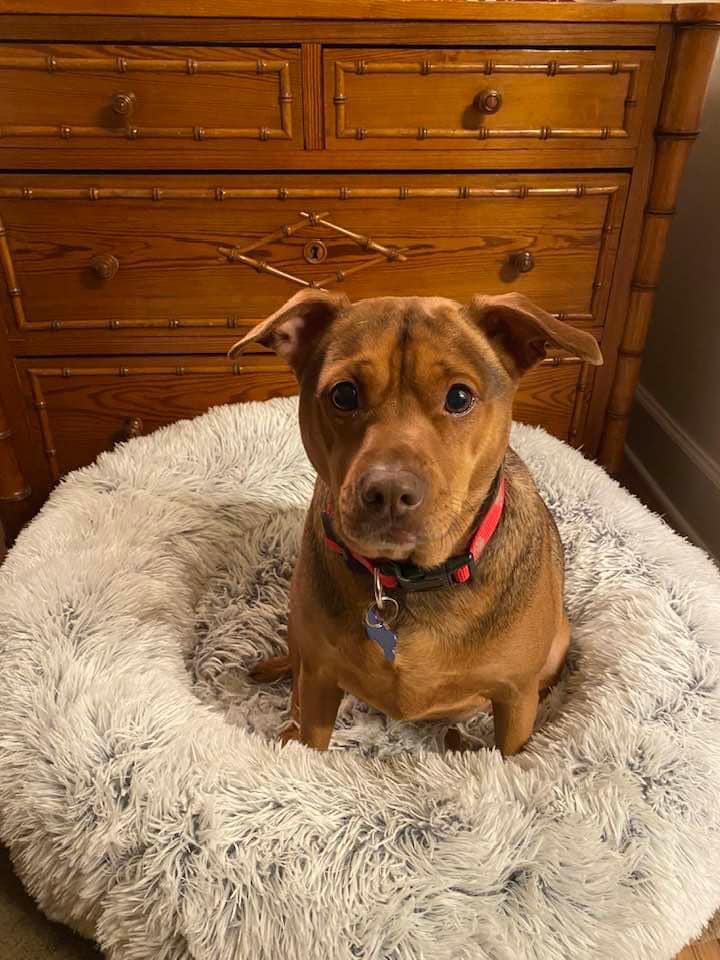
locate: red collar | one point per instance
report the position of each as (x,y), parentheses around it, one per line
(406,576)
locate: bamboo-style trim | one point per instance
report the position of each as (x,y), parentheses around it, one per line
(340,276)
(220,194)
(123,65)
(35,374)
(367,243)
(221,367)
(23,493)
(582,397)
(44,422)
(230,321)
(241,253)
(601,283)
(13,486)
(66,132)
(262,266)
(566,361)
(286,230)
(8,269)
(181,370)
(189,65)
(550,68)
(285,99)
(690,65)
(482,133)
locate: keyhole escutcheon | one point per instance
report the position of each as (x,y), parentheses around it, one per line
(315,251)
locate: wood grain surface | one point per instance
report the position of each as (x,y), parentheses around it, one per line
(400,147)
(471,10)
(83,406)
(172,276)
(379,98)
(63,97)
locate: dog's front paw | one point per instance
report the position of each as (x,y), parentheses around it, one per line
(455,742)
(271,670)
(291,732)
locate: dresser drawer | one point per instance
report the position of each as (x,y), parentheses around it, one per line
(133,106)
(176,253)
(78,407)
(380,99)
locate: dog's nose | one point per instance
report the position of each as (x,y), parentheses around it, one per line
(391,491)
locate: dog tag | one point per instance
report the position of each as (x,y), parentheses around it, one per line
(380,632)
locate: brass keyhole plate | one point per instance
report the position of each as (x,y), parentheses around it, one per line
(315,251)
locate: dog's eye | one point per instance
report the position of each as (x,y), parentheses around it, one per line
(459,398)
(344,396)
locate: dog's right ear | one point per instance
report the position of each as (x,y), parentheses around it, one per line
(293,330)
(520,331)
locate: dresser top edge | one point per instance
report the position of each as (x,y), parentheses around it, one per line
(534,11)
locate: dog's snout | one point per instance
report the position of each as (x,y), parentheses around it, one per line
(391,491)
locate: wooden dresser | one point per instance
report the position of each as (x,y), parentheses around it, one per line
(169,174)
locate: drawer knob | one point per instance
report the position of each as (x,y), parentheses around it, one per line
(523,261)
(105,265)
(489,101)
(133,427)
(123,103)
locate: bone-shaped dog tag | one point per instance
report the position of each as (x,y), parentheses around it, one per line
(380,632)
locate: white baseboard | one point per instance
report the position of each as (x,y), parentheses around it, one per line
(672,429)
(675,517)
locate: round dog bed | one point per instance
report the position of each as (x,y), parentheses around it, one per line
(145,801)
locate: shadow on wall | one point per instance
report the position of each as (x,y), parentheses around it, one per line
(674,437)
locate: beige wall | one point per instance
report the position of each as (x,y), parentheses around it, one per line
(674,436)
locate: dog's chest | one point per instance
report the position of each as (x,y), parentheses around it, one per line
(432,672)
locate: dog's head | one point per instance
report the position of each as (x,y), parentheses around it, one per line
(406,405)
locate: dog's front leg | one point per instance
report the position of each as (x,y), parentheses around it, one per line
(319,702)
(514,720)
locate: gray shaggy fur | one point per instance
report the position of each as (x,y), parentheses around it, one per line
(145,802)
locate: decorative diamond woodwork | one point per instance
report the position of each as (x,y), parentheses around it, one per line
(385,254)
(66,266)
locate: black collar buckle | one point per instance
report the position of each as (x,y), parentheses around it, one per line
(416,580)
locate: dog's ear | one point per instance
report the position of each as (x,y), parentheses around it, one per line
(520,331)
(293,329)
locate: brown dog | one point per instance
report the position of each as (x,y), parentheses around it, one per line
(430,577)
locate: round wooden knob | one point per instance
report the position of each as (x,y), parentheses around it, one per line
(133,428)
(105,265)
(523,261)
(489,101)
(123,103)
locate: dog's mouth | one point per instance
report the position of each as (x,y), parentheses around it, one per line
(388,543)
(392,543)
(414,535)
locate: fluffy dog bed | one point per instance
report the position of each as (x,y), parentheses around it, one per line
(145,802)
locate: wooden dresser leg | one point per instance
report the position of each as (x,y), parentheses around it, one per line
(690,66)
(13,487)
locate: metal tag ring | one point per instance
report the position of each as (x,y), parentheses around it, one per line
(379,608)
(380,597)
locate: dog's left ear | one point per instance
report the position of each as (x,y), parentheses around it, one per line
(293,329)
(520,331)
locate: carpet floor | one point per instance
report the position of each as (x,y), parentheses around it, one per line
(25,934)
